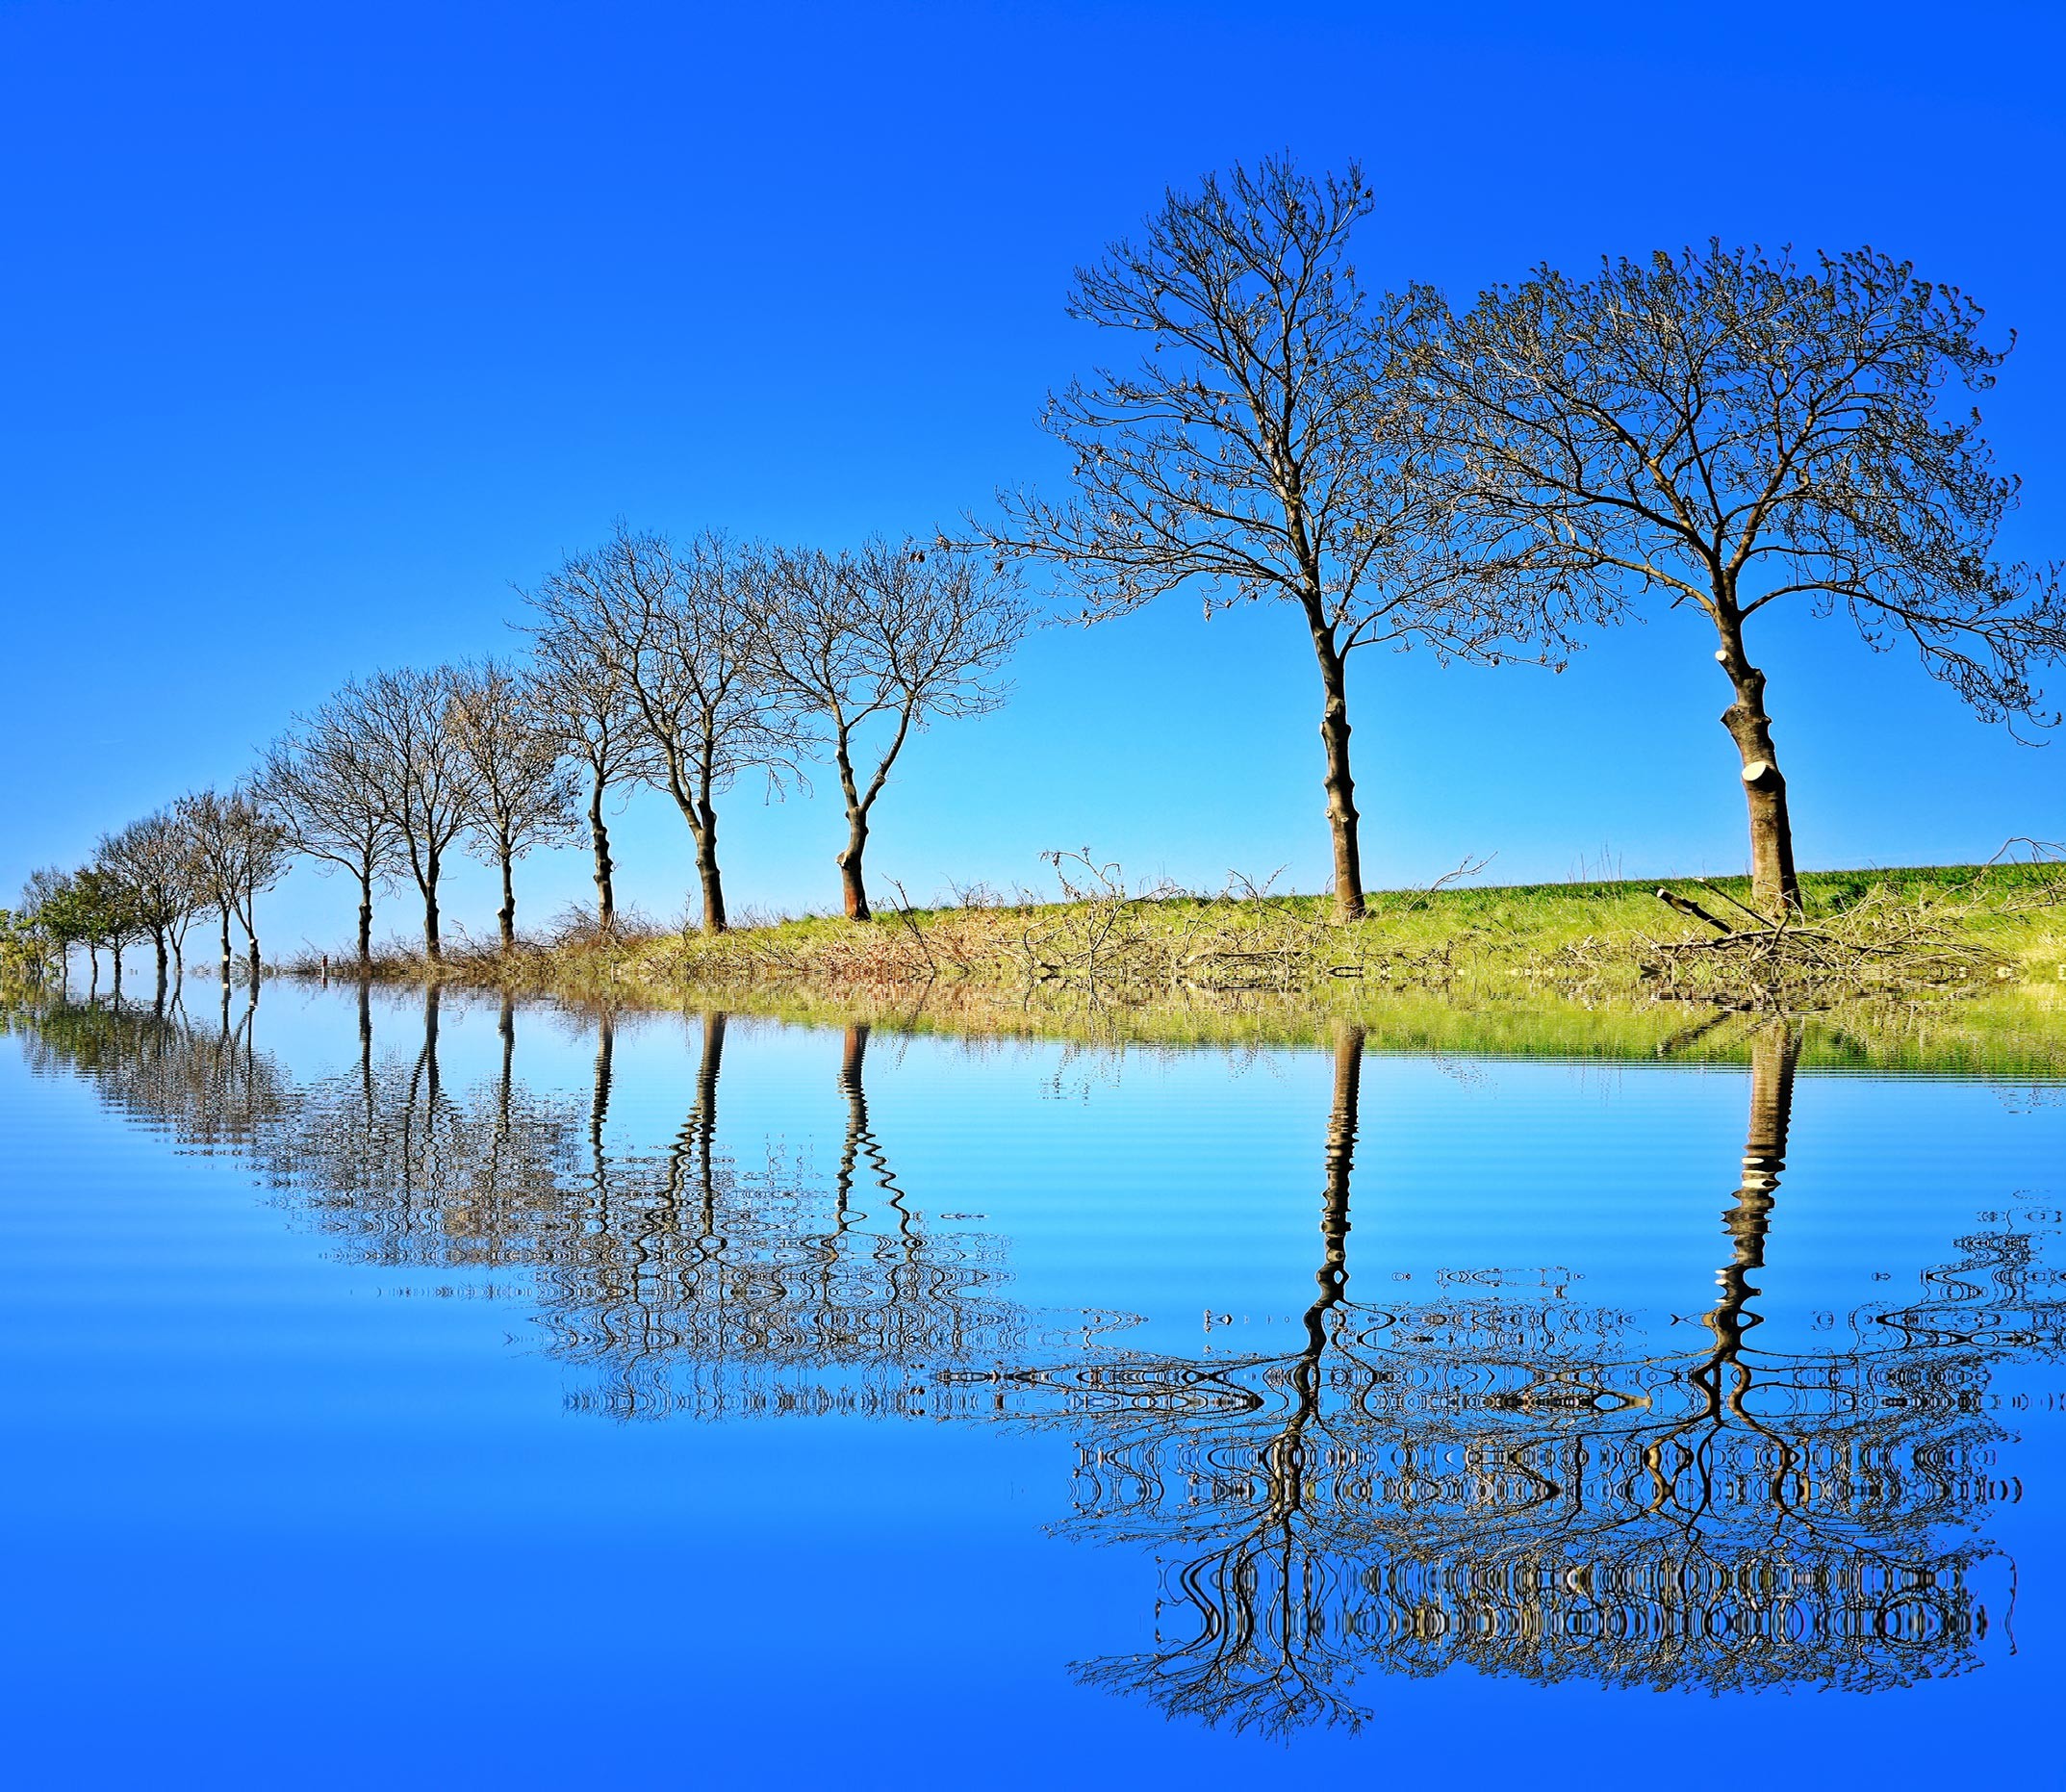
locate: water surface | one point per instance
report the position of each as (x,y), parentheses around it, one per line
(417,1390)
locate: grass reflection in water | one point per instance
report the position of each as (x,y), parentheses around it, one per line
(1507,1479)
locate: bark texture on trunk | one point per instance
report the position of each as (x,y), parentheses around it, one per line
(506,915)
(600,839)
(1341,817)
(853,891)
(707,874)
(1775,887)
(225,947)
(365,921)
(433,946)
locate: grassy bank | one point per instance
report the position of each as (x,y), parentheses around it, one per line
(1964,966)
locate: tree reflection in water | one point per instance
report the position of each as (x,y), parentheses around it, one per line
(1519,1485)
(694,1283)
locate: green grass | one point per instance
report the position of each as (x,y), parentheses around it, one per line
(1532,970)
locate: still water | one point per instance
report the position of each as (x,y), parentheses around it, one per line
(414,1391)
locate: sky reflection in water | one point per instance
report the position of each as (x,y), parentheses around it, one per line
(1402,1389)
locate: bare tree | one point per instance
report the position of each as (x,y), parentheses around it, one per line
(318,783)
(266,855)
(1258,449)
(583,697)
(204,814)
(239,851)
(521,796)
(674,625)
(1729,428)
(892,632)
(420,772)
(153,861)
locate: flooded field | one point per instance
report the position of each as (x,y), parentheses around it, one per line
(418,1390)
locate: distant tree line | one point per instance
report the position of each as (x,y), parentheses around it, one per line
(1724,429)
(680,665)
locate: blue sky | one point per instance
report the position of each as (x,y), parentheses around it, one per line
(327,324)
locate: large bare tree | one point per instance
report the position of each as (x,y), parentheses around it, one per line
(1258,449)
(318,783)
(522,796)
(421,776)
(892,636)
(585,698)
(1732,429)
(673,622)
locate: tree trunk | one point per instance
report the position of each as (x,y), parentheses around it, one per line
(366,922)
(506,1024)
(1775,888)
(853,894)
(225,945)
(707,870)
(158,941)
(706,1111)
(598,1104)
(252,958)
(506,915)
(1341,817)
(600,839)
(852,1056)
(1774,1055)
(433,947)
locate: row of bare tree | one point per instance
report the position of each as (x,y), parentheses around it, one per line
(1722,429)
(679,665)
(153,878)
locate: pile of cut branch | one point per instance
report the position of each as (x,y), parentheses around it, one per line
(1119,943)
(1882,946)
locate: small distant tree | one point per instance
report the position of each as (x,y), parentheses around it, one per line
(241,850)
(106,916)
(267,852)
(893,632)
(675,624)
(318,783)
(1731,429)
(584,698)
(50,907)
(153,861)
(1259,450)
(421,773)
(203,813)
(522,795)
(36,935)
